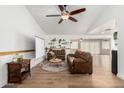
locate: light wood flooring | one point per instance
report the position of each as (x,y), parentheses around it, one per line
(101,77)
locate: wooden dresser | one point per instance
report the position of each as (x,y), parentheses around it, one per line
(17,72)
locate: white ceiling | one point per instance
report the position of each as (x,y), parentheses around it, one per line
(50,24)
(107,28)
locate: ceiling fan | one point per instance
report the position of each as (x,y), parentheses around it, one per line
(65,14)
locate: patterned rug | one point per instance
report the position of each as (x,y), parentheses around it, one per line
(46,65)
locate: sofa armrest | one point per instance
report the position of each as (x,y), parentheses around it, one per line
(70,55)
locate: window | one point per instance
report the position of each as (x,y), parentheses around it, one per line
(92,46)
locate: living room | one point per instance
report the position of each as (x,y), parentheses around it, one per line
(34,35)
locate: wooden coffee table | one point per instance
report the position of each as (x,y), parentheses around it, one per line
(55,62)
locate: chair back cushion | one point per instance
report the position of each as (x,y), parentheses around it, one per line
(77,53)
(82,54)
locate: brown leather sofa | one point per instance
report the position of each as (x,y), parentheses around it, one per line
(59,53)
(80,62)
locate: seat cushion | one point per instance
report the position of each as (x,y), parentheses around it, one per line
(79,60)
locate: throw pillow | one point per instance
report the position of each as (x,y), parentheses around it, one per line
(52,53)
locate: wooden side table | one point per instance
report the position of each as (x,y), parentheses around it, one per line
(17,72)
(55,62)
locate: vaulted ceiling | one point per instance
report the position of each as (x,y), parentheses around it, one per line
(50,25)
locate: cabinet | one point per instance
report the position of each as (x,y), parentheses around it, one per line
(17,72)
(114,62)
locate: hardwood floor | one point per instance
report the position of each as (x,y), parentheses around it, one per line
(101,77)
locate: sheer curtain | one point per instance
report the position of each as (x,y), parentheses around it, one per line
(74,45)
(92,46)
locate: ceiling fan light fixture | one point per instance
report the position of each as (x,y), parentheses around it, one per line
(65,17)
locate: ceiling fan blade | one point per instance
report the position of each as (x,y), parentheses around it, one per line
(73,19)
(77,11)
(60,21)
(61,8)
(52,15)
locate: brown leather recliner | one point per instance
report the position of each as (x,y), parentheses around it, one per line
(80,62)
(59,53)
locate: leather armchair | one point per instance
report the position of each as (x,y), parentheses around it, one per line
(80,65)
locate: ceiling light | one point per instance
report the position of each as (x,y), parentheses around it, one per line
(65,16)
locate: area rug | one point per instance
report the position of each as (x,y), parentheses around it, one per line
(46,65)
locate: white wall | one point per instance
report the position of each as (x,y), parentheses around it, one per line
(121,42)
(17,31)
(17,28)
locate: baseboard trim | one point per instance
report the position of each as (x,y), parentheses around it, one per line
(120,76)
